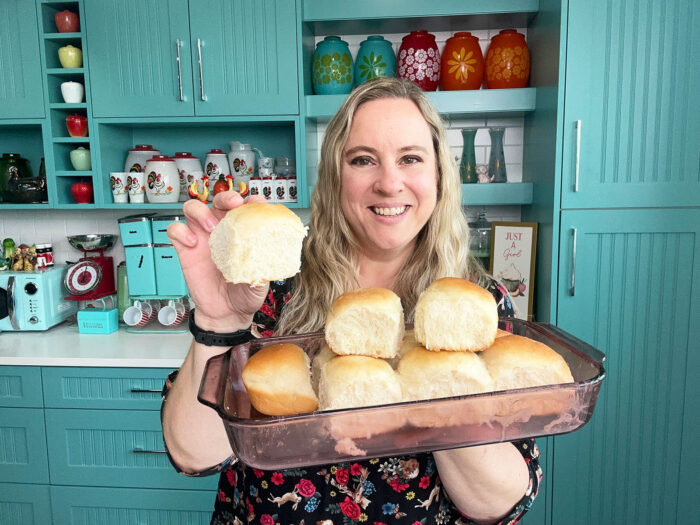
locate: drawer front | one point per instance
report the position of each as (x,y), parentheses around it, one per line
(140,270)
(23,446)
(24,504)
(20,386)
(112,448)
(117,388)
(136,232)
(169,277)
(89,505)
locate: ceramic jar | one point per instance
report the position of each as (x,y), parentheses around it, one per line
(215,164)
(462,63)
(80,159)
(187,164)
(72,92)
(507,61)
(70,56)
(138,156)
(67,21)
(375,58)
(162,180)
(241,160)
(332,67)
(419,60)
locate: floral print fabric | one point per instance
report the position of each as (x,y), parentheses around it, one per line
(377,491)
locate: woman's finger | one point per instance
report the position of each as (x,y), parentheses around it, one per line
(199,216)
(255,198)
(225,201)
(178,232)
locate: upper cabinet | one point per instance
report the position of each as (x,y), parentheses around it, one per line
(152,58)
(631,115)
(21,89)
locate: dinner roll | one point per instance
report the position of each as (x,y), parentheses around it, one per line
(257,242)
(502,333)
(324,355)
(426,374)
(368,322)
(278,381)
(353,381)
(407,343)
(455,314)
(519,362)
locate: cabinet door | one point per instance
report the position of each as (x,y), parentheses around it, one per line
(21,91)
(133,58)
(248,55)
(24,504)
(637,298)
(23,457)
(632,87)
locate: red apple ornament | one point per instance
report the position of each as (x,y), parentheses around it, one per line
(67,22)
(77,125)
(82,192)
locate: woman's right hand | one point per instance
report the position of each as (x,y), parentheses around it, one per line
(221,306)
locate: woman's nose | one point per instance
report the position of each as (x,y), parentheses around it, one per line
(389,179)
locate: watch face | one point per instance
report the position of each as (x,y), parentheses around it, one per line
(83,277)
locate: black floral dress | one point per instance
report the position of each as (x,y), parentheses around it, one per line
(376,491)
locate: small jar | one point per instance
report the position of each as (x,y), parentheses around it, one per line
(48,254)
(292,188)
(279,189)
(40,257)
(255,187)
(266,188)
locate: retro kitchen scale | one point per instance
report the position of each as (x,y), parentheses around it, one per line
(92,277)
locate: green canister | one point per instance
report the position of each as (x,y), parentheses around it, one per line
(375,58)
(123,300)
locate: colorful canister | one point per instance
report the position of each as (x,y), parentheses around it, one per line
(266,188)
(462,63)
(138,156)
(375,58)
(187,164)
(419,60)
(162,180)
(215,164)
(507,61)
(241,160)
(332,67)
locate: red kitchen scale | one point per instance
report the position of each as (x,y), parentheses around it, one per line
(92,277)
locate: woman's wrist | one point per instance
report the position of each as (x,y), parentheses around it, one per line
(222,325)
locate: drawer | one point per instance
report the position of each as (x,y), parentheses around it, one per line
(169,278)
(140,269)
(23,446)
(20,386)
(117,388)
(24,504)
(112,448)
(89,505)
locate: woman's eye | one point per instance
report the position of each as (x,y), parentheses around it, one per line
(411,159)
(361,161)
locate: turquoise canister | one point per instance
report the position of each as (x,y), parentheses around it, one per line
(374,59)
(332,67)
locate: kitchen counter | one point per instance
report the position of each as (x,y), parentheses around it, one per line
(63,345)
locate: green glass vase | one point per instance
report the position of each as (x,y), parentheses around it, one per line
(467,167)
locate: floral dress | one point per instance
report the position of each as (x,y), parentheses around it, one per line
(375,491)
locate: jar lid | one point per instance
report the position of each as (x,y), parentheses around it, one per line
(217,151)
(40,246)
(184,155)
(160,158)
(239,146)
(137,218)
(143,147)
(164,217)
(284,161)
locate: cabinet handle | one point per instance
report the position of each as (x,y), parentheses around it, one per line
(145,391)
(146,451)
(201,78)
(179,68)
(573,263)
(578,154)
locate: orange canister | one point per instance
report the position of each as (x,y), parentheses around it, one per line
(507,61)
(462,63)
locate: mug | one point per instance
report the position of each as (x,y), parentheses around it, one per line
(136,182)
(119,181)
(266,162)
(138,314)
(173,313)
(72,92)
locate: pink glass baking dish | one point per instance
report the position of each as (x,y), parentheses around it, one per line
(335,436)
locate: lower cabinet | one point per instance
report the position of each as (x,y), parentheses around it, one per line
(24,504)
(23,446)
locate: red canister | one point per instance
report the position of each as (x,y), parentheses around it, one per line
(419,60)
(462,63)
(507,61)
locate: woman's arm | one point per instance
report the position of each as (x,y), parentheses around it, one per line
(484,482)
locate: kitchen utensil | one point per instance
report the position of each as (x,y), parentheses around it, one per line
(136,182)
(72,92)
(375,58)
(461,63)
(321,438)
(138,156)
(80,159)
(70,57)
(162,180)
(332,67)
(91,242)
(120,186)
(92,277)
(419,60)
(26,191)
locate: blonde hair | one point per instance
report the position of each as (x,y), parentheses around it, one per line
(329,266)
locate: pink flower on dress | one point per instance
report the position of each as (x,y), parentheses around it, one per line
(350,508)
(356,469)
(258,473)
(266,519)
(222,495)
(342,476)
(424,482)
(306,488)
(231,477)
(277,478)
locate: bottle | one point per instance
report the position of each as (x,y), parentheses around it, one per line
(48,254)
(40,257)
(480,239)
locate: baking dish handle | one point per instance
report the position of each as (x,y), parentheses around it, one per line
(211,390)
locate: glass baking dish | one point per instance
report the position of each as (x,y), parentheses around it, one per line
(334,436)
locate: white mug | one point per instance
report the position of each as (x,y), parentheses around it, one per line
(136,181)
(173,313)
(138,314)
(72,92)
(119,182)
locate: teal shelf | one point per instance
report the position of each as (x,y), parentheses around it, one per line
(62,36)
(511,193)
(74,173)
(65,71)
(71,140)
(174,206)
(90,206)
(63,105)
(12,206)
(482,102)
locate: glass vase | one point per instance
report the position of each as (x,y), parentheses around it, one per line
(467,167)
(497,161)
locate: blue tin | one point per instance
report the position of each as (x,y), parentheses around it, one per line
(136,229)
(159,227)
(169,278)
(140,269)
(332,67)
(374,59)
(98,321)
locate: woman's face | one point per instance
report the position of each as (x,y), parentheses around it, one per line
(388,176)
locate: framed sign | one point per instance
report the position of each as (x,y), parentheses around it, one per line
(513,247)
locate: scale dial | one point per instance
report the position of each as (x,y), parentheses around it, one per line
(83,277)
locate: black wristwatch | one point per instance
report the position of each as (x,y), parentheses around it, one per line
(208,338)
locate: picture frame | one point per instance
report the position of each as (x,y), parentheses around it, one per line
(513,256)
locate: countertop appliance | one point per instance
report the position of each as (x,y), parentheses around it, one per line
(34,300)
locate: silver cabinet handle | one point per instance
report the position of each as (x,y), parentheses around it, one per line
(201,78)
(179,68)
(573,263)
(578,154)
(146,451)
(145,391)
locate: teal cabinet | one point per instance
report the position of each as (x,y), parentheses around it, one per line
(20,386)
(24,504)
(23,446)
(139,57)
(629,283)
(245,54)
(21,89)
(631,115)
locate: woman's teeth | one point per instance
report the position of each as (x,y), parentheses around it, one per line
(389,211)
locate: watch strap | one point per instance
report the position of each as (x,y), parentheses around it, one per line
(209,338)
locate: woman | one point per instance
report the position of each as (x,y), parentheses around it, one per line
(386,212)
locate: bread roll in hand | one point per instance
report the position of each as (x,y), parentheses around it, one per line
(258,242)
(455,314)
(278,381)
(368,322)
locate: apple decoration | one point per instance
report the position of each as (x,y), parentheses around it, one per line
(67,21)
(82,192)
(70,56)
(77,125)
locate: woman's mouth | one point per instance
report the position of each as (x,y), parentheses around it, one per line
(389,211)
